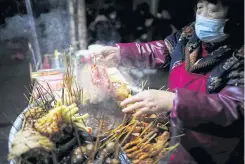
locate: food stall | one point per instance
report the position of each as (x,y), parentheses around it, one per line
(74,117)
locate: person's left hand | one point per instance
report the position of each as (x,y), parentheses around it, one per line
(149,101)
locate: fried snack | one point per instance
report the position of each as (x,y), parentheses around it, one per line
(31,116)
(130,144)
(49,124)
(34,113)
(131,149)
(147,146)
(161,140)
(120,90)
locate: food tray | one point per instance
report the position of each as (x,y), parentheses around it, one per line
(17,125)
(122,156)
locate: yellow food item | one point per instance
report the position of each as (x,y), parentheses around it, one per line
(121,94)
(33,114)
(49,124)
(121,91)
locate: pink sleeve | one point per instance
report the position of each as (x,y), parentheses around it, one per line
(153,54)
(222,109)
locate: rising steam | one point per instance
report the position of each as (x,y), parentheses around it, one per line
(52,30)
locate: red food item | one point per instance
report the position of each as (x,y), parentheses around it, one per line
(100,77)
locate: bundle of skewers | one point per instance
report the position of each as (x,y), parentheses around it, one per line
(55,128)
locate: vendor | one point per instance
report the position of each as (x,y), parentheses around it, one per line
(206,92)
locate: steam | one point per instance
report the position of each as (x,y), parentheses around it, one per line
(16,27)
(84,80)
(52,30)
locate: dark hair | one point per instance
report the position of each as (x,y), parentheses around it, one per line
(143,6)
(235,24)
(236,8)
(111,10)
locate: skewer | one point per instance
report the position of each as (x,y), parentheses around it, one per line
(117,149)
(62,98)
(33,95)
(82,96)
(144,84)
(149,140)
(162,87)
(113,137)
(51,92)
(181,135)
(42,89)
(157,161)
(124,119)
(23,124)
(145,130)
(97,142)
(172,147)
(146,137)
(134,126)
(77,137)
(30,94)
(42,99)
(26,98)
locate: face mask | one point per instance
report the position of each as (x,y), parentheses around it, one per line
(210,30)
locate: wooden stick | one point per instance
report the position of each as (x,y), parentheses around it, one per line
(134,126)
(144,84)
(162,87)
(147,128)
(97,141)
(117,149)
(146,137)
(149,140)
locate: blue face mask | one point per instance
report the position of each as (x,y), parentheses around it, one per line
(210,30)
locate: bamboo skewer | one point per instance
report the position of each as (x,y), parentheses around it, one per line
(162,87)
(146,137)
(149,140)
(117,149)
(134,126)
(145,130)
(97,142)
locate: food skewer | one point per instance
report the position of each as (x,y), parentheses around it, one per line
(137,136)
(96,143)
(149,140)
(126,137)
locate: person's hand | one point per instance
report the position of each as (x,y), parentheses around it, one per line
(108,56)
(149,101)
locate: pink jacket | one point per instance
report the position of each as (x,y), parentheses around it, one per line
(212,122)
